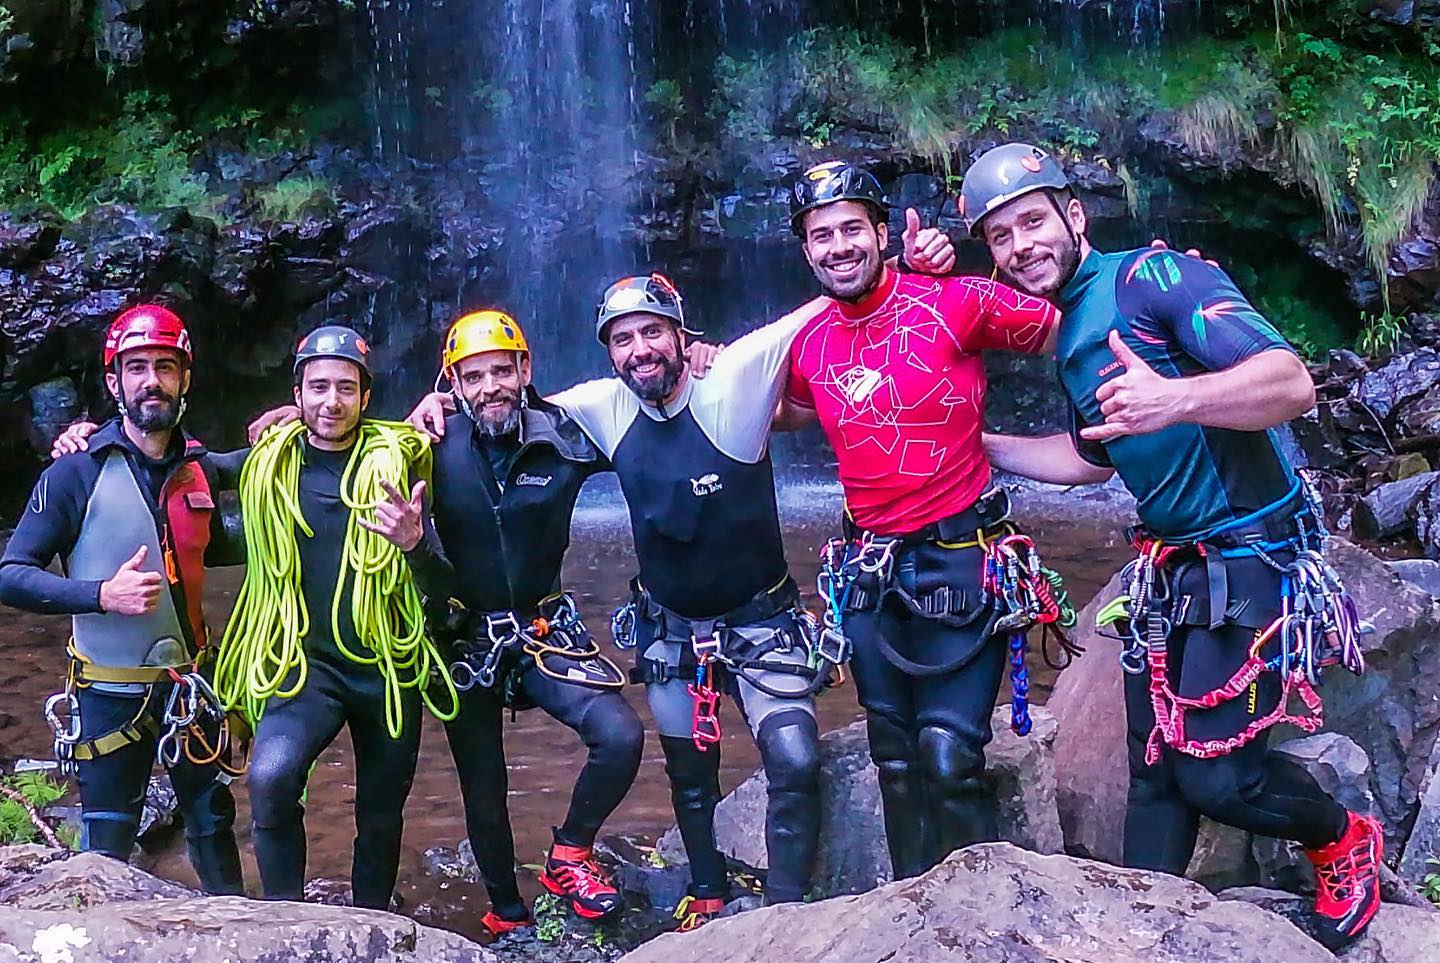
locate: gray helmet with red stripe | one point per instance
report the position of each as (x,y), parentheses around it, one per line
(1004,173)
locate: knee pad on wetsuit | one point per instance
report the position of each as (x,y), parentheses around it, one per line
(892,748)
(1215,787)
(694,775)
(789,744)
(275,784)
(108,833)
(947,759)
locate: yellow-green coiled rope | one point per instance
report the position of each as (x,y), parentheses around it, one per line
(262,644)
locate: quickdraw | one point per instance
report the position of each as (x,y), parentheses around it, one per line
(1318,626)
(842,561)
(705,724)
(560,633)
(191,706)
(622,626)
(1028,594)
(62,711)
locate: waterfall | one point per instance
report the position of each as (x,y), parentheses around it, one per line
(390,29)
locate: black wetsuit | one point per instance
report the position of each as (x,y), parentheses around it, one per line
(501,511)
(699,485)
(1193,483)
(112,785)
(338,692)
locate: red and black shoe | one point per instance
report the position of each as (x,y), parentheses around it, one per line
(498,925)
(572,872)
(694,912)
(1347,877)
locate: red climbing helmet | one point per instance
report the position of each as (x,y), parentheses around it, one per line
(146,326)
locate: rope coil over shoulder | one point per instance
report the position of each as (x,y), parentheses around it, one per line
(263,642)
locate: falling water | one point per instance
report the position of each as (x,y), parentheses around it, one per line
(390,30)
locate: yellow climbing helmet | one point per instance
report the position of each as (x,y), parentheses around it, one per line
(482,331)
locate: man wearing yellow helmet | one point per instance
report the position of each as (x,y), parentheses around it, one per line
(506,475)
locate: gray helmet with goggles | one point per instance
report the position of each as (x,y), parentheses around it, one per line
(652,294)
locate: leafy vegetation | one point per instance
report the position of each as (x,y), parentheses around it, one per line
(1379,333)
(145,154)
(1430,885)
(1357,130)
(291,197)
(39,791)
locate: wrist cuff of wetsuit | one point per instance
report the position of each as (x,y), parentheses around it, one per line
(903,266)
(98,585)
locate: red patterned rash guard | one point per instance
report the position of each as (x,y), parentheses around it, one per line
(899,387)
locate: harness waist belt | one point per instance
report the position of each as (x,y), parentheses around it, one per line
(989,510)
(781,597)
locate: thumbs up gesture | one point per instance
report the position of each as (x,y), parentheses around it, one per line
(928,251)
(131,591)
(1139,401)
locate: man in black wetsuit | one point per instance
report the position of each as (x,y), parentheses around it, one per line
(320,673)
(714,607)
(506,475)
(133,518)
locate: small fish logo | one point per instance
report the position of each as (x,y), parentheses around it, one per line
(707,484)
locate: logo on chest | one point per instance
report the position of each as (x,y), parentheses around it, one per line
(706,485)
(539,481)
(858,383)
(1109,369)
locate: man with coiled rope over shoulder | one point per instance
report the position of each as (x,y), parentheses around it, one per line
(134,520)
(308,652)
(506,475)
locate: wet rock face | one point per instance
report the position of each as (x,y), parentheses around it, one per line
(97,909)
(1422,850)
(997,903)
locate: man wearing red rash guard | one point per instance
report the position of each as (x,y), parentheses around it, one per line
(890,366)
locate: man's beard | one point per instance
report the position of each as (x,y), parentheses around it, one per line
(151,418)
(331,434)
(494,426)
(657,388)
(855,290)
(1067,260)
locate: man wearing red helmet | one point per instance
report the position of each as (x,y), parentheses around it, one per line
(134,519)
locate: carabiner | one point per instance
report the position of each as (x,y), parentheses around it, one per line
(67,730)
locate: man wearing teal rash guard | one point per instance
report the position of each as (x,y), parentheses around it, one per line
(1175,381)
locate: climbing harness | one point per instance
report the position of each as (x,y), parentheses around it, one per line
(262,644)
(1318,627)
(857,573)
(557,634)
(1026,594)
(716,645)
